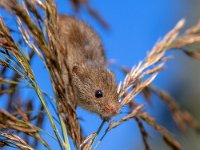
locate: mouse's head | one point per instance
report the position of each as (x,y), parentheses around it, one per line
(95,89)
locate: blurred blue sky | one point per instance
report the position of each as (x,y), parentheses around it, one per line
(135,26)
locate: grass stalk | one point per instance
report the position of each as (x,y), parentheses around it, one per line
(39,93)
(97,133)
(64,132)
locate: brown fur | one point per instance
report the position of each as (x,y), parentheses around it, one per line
(86,60)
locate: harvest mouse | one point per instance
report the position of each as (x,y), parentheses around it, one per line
(93,84)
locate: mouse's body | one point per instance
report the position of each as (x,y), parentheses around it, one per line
(93,85)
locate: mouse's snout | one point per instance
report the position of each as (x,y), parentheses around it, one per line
(111,110)
(114,110)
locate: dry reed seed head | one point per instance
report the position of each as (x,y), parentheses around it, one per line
(87,140)
(167,137)
(14,140)
(151,65)
(131,115)
(96,89)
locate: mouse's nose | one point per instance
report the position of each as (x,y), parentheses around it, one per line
(114,110)
(109,110)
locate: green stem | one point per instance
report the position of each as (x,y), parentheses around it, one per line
(64,131)
(98,143)
(97,133)
(49,116)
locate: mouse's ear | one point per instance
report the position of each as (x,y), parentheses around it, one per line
(78,69)
(111,73)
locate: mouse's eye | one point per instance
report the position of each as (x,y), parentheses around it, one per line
(98,94)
